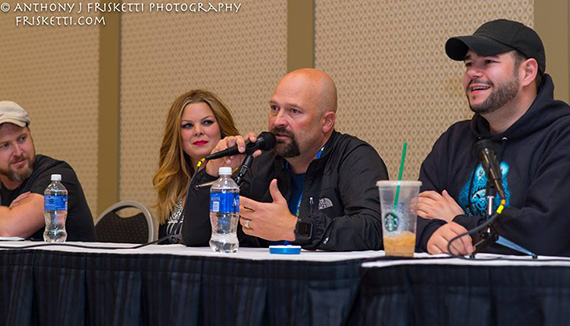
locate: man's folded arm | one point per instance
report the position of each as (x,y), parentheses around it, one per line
(23,219)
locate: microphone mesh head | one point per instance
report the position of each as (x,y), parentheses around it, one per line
(268,141)
(481,145)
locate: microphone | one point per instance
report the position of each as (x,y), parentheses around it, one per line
(265,141)
(243,169)
(485,151)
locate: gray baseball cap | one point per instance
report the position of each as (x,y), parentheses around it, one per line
(12,112)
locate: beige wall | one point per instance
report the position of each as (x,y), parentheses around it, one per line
(395,82)
(53,73)
(239,56)
(551,21)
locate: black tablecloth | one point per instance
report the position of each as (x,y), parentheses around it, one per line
(46,287)
(197,287)
(474,293)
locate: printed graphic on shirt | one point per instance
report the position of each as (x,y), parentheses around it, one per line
(473,200)
(174,224)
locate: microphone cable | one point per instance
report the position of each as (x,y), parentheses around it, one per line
(74,245)
(476,230)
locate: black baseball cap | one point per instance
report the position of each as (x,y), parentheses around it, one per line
(496,37)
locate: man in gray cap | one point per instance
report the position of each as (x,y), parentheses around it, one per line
(24,177)
(517,119)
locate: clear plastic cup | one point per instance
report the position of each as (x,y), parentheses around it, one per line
(399,203)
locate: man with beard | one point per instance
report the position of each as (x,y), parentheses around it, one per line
(24,177)
(514,109)
(317,188)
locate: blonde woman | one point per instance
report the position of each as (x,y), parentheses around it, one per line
(196,121)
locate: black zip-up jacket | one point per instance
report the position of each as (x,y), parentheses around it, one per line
(340,197)
(534,155)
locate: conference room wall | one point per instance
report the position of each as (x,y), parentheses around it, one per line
(239,56)
(53,73)
(395,82)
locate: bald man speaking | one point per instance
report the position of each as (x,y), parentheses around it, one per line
(316,188)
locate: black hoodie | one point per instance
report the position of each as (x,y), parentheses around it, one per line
(534,155)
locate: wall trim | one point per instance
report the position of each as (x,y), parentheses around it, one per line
(300,34)
(109,112)
(551,21)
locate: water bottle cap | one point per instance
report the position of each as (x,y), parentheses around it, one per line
(225,170)
(56,177)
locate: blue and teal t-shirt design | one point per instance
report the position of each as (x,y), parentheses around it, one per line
(476,196)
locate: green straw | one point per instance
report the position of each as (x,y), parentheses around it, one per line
(400,174)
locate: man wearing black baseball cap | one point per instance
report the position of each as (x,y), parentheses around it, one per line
(496,37)
(512,98)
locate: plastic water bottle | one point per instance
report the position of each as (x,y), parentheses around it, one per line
(224,212)
(55,210)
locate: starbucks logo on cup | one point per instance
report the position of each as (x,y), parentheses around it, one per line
(391,221)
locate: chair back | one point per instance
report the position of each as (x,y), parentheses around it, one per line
(137,228)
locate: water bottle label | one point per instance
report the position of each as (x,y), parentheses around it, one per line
(224,202)
(55,202)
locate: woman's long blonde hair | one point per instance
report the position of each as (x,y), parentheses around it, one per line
(175,168)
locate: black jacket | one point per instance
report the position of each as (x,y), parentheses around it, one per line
(340,197)
(534,155)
